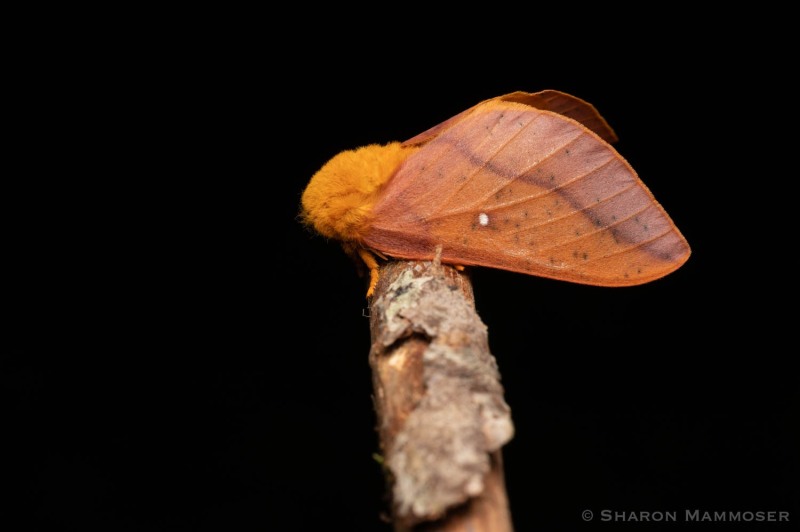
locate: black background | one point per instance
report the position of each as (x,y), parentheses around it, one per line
(186,356)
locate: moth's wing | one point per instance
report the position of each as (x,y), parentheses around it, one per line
(569,106)
(547,100)
(514,187)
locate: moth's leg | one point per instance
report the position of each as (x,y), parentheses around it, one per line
(372,264)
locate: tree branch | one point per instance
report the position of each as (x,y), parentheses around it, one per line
(442,418)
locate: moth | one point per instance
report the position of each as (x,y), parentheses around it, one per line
(525,182)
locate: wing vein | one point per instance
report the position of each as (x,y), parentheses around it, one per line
(545,193)
(591,233)
(483,165)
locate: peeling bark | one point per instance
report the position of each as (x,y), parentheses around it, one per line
(442,418)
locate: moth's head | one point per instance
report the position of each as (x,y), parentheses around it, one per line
(339,198)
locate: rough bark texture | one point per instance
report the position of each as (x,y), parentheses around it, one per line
(442,418)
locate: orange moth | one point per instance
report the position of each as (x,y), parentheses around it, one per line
(526,182)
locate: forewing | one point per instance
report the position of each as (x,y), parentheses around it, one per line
(518,188)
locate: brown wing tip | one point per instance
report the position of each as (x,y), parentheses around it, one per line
(566,105)
(666,256)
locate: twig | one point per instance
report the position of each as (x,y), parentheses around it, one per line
(442,418)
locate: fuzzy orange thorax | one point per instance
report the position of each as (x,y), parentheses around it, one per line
(338,200)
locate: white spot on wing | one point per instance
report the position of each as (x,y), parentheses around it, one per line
(483,219)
